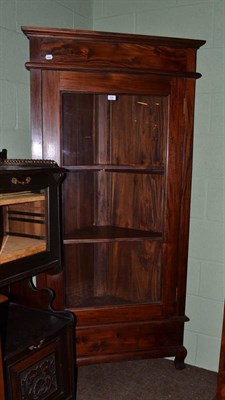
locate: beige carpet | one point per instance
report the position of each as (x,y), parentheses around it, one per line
(144,380)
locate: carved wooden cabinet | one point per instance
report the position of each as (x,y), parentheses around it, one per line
(116,110)
(38,357)
(37,347)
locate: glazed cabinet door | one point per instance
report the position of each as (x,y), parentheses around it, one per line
(122,144)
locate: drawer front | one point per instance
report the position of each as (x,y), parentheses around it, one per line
(118,339)
(41,375)
(25,181)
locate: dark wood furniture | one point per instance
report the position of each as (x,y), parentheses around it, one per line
(3,299)
(37,346)
(30,220)
(117,111)
(221,372)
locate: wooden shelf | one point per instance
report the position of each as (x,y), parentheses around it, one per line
(15,247)
(109,234)
(117,168)
(7,199)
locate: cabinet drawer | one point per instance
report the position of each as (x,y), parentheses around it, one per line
(40,375)
(14,182)
(101,341)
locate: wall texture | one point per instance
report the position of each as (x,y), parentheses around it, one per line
(203,19)
(198,19)
(14,52)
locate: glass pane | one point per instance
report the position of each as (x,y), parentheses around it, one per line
(23,225)
(113,273)
(114,129)
(123,200)
(114,146)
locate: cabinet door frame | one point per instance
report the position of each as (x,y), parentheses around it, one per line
(47,144)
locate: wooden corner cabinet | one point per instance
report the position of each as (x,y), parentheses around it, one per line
(36,347)
(116,110)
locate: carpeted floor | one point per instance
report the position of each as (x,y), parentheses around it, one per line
(145,380)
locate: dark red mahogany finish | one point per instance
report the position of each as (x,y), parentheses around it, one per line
(117,111)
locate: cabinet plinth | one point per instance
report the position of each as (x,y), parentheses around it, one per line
(116,110)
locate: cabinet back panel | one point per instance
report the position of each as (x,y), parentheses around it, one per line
(28,219)
(138,130)
(136,266)
(137,201)
(112,273)
(116,129)
(77,123)
(78,198)
(125,200)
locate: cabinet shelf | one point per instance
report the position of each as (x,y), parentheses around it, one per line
(109,234)
(15,247)
(20,198)
(117,168)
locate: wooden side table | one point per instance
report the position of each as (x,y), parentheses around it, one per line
(220,395)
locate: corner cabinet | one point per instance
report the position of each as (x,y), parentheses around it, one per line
(116,110)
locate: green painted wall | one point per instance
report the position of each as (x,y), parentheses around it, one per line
(14,52)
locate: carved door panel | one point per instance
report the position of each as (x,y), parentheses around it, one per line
(40,375)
